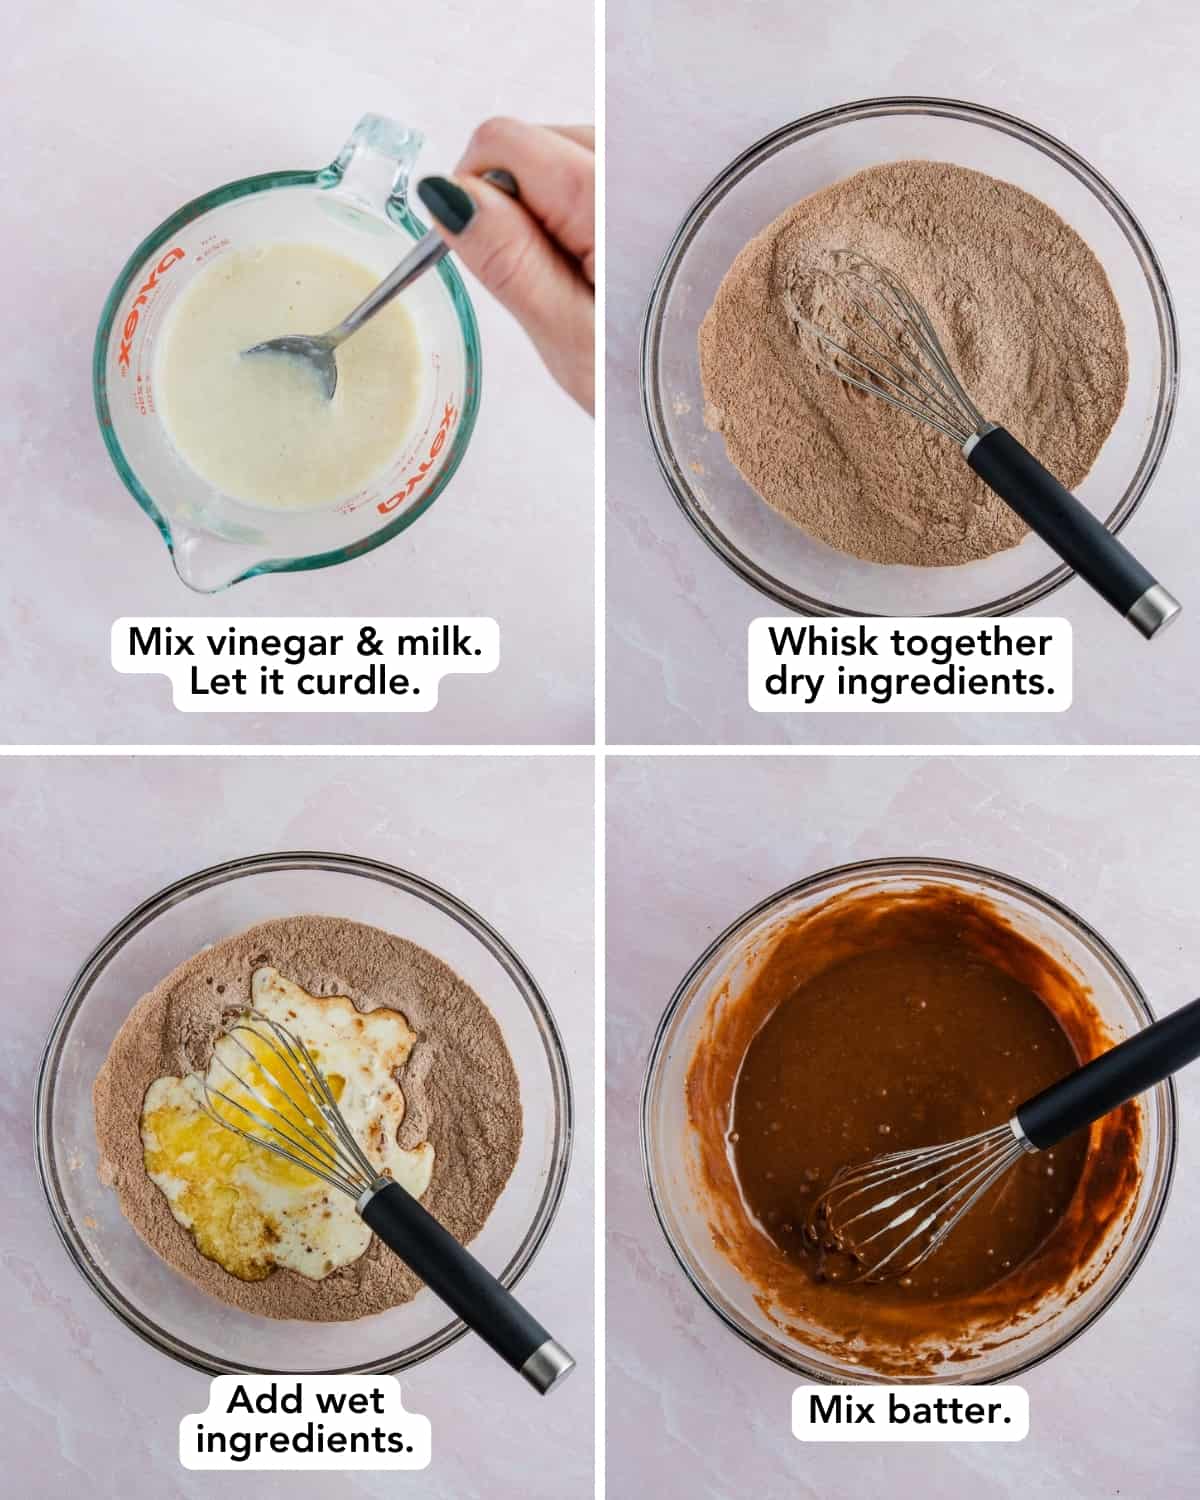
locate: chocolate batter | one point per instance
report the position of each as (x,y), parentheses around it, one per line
(908,1046)
(876,1023)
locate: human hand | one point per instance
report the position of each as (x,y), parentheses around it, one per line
(536,253)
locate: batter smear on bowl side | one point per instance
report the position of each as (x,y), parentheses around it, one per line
(1026,315)
(883,1023)
(418,1065)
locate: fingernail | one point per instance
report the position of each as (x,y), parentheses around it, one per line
(505,181)
(447,202)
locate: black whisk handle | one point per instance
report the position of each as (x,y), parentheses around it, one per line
(1130,1068)
(453,1273)
(1065,524)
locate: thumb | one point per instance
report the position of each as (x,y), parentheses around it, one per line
(506,249)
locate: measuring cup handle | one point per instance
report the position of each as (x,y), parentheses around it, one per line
(372,170)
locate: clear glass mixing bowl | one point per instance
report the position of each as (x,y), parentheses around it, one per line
(668,1141)
(758,543)
(358,207)
(144,1292)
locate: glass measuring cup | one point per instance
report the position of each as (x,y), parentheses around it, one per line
(358,207)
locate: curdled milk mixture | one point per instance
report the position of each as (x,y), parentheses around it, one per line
(260,429)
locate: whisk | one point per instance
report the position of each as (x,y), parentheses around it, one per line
(285,1105)
(892,1212)
(883,342)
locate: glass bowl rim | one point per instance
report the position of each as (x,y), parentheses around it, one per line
(862,109)
(949,870)
(244,187)
(177,891)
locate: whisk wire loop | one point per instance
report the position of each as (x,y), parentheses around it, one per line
(911,371)
(305,1127)
(914,375)
(892,1212)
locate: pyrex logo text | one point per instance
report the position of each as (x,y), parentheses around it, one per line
(392,501)
(143,296)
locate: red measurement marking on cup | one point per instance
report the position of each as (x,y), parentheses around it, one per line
(369,495)
(147,288)
(398,497)
(211,246)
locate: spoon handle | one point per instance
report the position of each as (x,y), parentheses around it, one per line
(1134,1065)
(424,255)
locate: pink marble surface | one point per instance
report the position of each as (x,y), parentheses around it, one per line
(701,82)
(692,844)
(86,1408)
(114,115)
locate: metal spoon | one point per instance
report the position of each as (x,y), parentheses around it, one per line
(318,349)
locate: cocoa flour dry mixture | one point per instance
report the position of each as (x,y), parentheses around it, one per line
(459,1084)
(1023,309)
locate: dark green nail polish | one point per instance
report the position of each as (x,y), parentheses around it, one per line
(447,202)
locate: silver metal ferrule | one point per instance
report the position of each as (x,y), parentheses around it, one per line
(1154,611)
(1019,1135)
(969,446)
(548,1366)
(369,1192)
